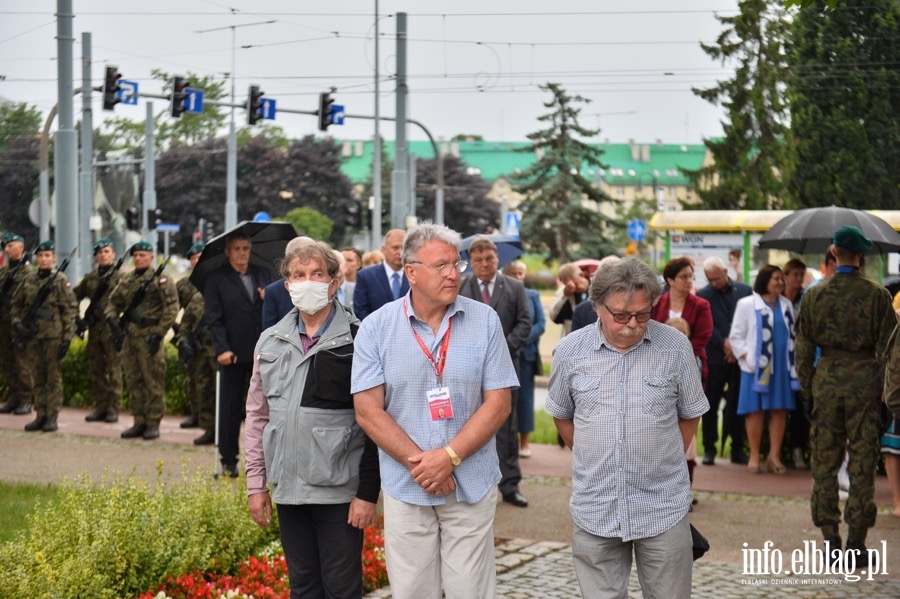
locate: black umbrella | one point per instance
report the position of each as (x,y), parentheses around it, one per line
(267,243)
(508,247)
(809,231)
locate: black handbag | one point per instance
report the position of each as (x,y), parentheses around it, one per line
(699,543)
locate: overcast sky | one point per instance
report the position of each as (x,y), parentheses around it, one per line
(474,66)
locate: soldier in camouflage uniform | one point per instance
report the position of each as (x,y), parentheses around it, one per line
(104,365)
(44,340)
(139,327)
(15,371)
(851,320)
(196,354)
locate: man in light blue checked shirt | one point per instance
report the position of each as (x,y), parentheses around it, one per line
(431,382)
(626,397)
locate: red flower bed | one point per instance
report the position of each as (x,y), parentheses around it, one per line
(266,578)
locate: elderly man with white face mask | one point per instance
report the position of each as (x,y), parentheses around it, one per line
(302,437)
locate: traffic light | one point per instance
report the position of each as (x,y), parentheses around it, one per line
(254,105)
(178,96)
(110,87)
(325,102)
(133,219)
(155,217)
(354,214)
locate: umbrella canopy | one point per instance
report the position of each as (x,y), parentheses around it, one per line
(267,243)
(508,247)
(809,231)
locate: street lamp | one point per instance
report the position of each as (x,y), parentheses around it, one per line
(231,175)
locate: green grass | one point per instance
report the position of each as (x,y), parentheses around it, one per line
(544,429)
(19,500)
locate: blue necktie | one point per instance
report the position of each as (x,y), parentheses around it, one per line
(395,285)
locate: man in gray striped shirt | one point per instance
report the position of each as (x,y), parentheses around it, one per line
(626,397)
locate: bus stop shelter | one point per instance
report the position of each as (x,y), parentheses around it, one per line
(714,231)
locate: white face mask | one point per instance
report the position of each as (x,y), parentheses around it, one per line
(309,296)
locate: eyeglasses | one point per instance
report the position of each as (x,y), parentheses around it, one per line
(625,317)
(685,277)
(445,269)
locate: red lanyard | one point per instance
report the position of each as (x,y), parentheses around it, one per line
(441,361)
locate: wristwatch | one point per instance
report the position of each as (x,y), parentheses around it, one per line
(454,459)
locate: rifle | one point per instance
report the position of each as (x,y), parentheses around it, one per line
(94,311)
(119,325)
(28,327)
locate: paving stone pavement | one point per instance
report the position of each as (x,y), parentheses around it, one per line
(537,569)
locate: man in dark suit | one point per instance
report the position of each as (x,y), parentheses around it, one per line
(507,297)
(381,283)
(724,378)
(233,295)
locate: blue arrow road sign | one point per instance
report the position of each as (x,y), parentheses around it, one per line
(267,108)
(512,224)
(637,230)
(337,114)
(128,92)
(193,100)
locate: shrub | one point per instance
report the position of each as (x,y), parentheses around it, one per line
(77,380)
(121,537)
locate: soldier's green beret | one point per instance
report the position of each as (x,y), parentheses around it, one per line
(45,246)
(141,246)
(102,243)
(10,237)
(194,250)
(851,238)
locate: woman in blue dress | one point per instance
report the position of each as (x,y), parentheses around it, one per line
(762,338)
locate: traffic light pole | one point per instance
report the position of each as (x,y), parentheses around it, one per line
(439,188)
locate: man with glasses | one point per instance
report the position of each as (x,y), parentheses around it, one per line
(626,397)
(724,378)
(507,297)
(431,382)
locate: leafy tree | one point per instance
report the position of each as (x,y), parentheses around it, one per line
(312,174)
(310,222)
(755,158)
(844,100)
(466,206)
(19,176)
(18,120)
(555,219)
(19,125)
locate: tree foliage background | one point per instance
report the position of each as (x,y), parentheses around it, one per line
(845,95)
(555,220)
(755,156)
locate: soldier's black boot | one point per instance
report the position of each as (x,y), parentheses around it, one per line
(9,406)
(190,422)
(112,417)
(151,432)
(50,426)
(36,424)
(96,416)
(23,409)
(207,438)
(135,431)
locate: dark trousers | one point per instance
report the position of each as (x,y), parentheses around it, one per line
(798,425)
(323,552)
(233,383)
(724,380)
(508,446)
